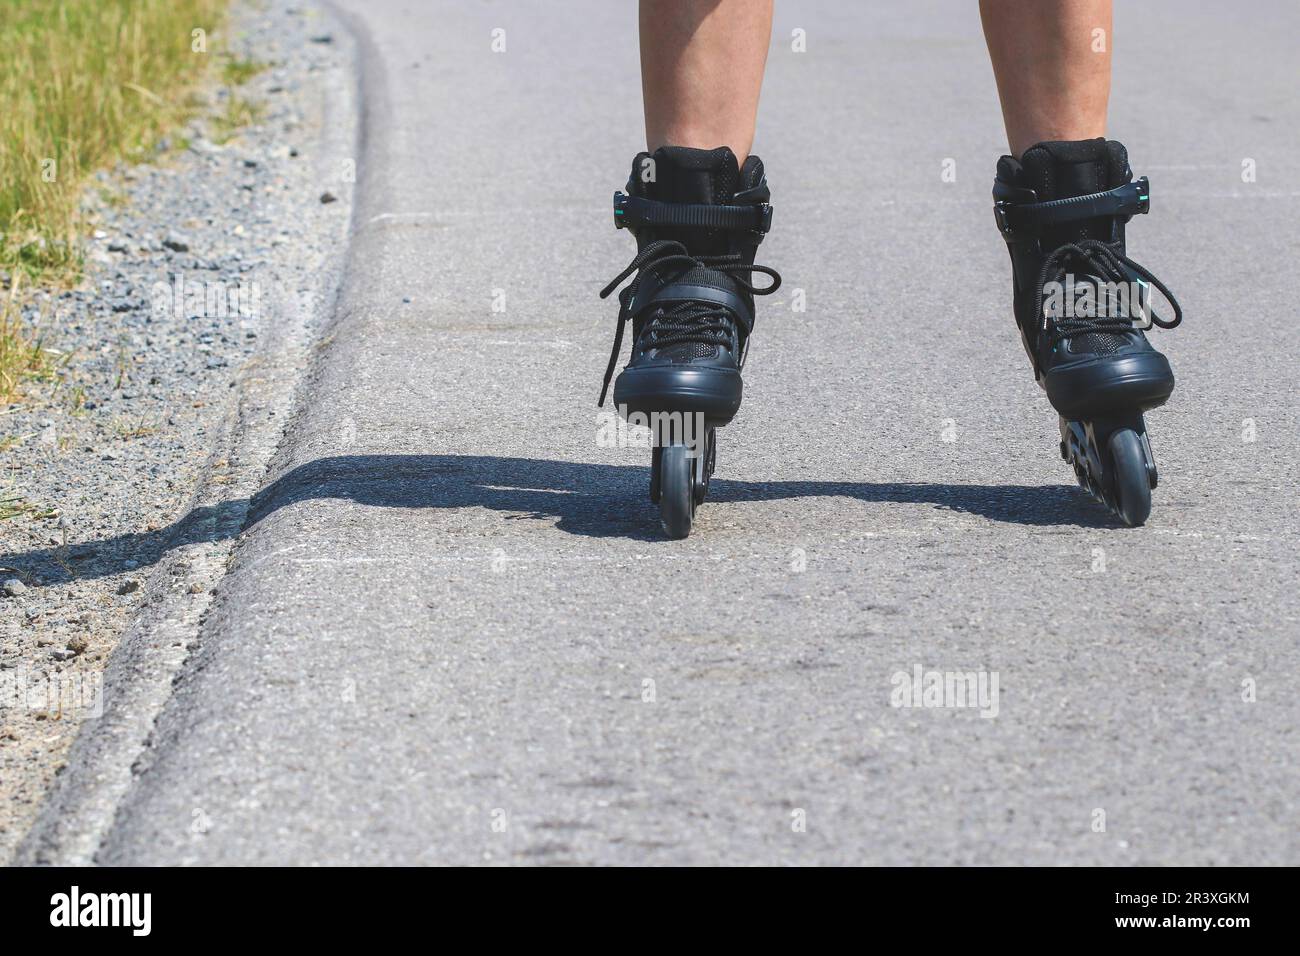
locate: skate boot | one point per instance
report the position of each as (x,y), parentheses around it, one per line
(1082,305)
(697,219)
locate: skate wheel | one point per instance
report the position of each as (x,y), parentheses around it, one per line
(1132,478)
(676,490)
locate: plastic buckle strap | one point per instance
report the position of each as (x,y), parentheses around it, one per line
(1000,215)
(632,211)
(1130,199)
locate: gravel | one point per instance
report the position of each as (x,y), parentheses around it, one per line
(102,465)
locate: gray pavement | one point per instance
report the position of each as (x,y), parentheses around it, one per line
(452,634)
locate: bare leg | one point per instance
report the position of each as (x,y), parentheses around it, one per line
(701,69)
(1052,67)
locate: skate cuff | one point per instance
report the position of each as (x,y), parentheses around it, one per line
(633,211)
(1017,212)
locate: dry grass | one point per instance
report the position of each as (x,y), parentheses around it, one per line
(12,505)
(23,354)
(84,84)
(237,114)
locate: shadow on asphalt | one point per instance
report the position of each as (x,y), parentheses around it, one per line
(599,501)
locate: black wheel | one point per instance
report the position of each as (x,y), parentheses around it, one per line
(676,490)
(1132,479)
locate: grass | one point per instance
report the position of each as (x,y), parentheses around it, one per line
(13,504)
(84,83)
(238,113)
(236,71)
(23,354)
(126,429)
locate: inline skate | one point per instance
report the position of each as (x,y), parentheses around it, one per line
(1082,304)
(698,218)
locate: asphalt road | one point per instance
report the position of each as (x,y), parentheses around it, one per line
(452,633)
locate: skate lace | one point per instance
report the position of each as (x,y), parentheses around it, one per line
(1103,262)
(681,322)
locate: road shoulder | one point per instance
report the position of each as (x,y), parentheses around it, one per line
(274,230)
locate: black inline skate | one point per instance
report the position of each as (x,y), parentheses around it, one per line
(1082,304)
(698,219)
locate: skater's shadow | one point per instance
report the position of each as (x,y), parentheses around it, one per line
(583,499)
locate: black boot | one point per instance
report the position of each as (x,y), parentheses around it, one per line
(1082,305)
(698,219)
(1062,209)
